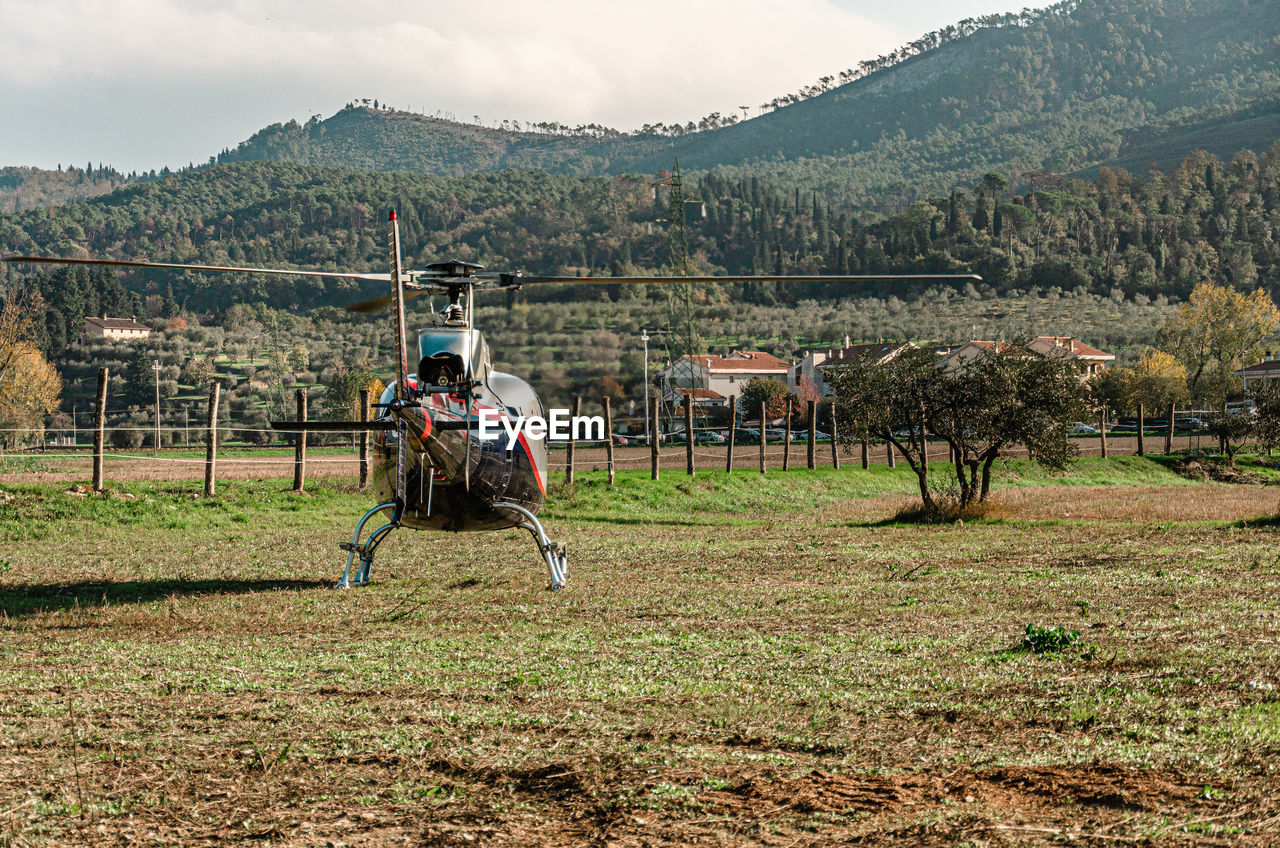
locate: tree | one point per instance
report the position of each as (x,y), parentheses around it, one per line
(1215,331)
(981,409)
(29,386)
(299,357)
(997,400)
(139,379)
(1156,380)
(198,371)
(1266,427)
(1231,429)
(887,401)
(772,393)
(343,392)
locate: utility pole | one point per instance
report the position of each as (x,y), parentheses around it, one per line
(155,366)
(644,337)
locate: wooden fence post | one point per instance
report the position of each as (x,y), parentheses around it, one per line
(762,445)
(300,446)
(568,454)
(364,439)
(892,457)
(812,452)
(835,454)
(1142,425)
(688,433)
(211,439)
(1168,433)
(654,433)
(733,423)
(1222,440)
(866,451)
(1102,430)
(99,429)
(786,444)
(608,437)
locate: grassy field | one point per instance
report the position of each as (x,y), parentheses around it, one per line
(737,660)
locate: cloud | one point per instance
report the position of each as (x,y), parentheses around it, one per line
(161,62)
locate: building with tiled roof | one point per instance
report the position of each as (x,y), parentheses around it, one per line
(115,329)
(723,375)
(1094,360)
(1267,369)
(815,363)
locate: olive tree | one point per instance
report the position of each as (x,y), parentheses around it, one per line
(999,400)
(1266,426)
(888,401)
(982,408)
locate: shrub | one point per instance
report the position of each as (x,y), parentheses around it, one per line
(128,438)
(1048,640)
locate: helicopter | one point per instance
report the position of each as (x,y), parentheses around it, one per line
(432,471)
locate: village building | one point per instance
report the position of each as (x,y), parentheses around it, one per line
(724,376)
(1267,369)
(814,365)
(115,329)
(1094,361)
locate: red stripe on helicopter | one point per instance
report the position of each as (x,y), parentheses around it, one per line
(439,402)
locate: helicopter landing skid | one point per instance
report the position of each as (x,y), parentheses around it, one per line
(553,553)
(365,551)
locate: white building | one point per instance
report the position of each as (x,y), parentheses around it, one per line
(723,375)
(1094,360)
(115,329)
(1267,369)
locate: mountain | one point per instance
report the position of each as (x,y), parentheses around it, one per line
(1062,89)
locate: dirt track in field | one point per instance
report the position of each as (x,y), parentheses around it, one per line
(133,466)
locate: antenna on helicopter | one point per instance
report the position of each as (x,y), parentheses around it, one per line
(402,365)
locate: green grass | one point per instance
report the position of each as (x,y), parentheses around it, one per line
(736,660)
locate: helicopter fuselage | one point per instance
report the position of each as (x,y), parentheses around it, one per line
(454,480)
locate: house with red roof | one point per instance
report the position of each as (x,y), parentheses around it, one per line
(1094,361)
(816,363)
(724,376)
(1091,359)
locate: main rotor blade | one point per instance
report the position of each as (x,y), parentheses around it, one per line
(515,280)
(377,304)
(125,263)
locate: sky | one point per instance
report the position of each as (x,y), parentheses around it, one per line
(141,84)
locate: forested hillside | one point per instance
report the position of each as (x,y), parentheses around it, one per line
(1151,236)
(32,188)
(1080,83)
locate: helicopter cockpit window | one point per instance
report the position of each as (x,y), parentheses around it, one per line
(460,347)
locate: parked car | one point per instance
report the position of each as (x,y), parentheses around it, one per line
(1079,428)
(1188,424)
(746,436)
